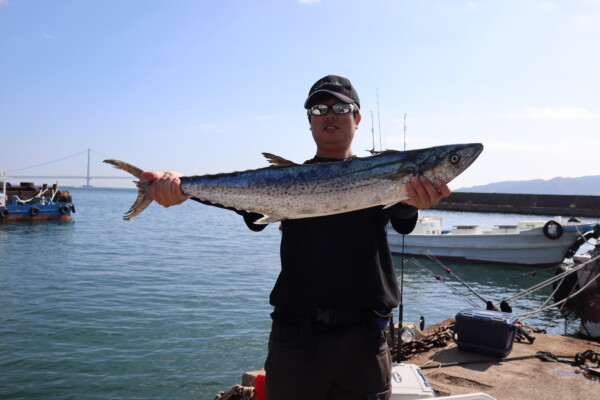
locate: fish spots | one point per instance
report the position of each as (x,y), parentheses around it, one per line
(309,190)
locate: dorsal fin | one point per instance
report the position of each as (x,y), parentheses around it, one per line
(277,161)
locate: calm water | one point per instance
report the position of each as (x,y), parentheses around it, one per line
(174,304)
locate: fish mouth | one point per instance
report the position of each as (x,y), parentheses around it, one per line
(473,150)
(477,149)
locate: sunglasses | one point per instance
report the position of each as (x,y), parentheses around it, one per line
(338,108)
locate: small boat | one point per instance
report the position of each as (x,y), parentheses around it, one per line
(529,243)
(28,202)
(579,289)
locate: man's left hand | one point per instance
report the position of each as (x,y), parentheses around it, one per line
(422,193)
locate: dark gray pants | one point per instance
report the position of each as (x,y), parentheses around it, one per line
(349,363)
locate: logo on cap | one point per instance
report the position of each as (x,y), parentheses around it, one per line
(337,86)
(321,84)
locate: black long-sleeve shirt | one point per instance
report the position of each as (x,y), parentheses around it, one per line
(339,262)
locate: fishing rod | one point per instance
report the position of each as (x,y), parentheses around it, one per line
(400,308)
(437,277)
(452,274)
(489,305)
(504,306)
(401,305)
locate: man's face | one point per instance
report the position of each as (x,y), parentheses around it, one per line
(333,133)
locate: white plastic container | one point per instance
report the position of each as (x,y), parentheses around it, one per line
(409,383)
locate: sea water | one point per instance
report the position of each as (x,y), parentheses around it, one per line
(174,304)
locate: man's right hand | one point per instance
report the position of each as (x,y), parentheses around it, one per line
(165,188)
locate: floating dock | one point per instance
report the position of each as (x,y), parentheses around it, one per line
(513,203)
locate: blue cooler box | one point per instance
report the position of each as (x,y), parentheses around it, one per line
(485,332)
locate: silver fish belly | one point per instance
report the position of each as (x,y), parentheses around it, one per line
(310,190)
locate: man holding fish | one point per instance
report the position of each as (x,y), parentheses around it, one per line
(337,286)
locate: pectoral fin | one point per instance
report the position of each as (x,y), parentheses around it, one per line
(269,219)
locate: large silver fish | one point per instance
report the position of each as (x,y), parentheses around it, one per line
(287,190)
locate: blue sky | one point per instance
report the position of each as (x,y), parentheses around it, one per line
(206,86)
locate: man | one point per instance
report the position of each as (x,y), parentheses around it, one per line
(337,285)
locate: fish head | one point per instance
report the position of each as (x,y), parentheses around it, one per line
(447,162)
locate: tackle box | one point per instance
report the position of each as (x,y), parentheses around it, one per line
(485,332)
(409,383)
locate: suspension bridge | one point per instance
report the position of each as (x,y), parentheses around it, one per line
(88,178)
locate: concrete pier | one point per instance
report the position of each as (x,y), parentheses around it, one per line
(506,379)
(512,203)
(529,378)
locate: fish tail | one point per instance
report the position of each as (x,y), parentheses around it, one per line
(143,199)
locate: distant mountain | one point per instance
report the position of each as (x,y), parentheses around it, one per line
(585,185)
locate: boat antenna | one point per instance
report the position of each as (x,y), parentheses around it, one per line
(378,119)
(372,134)
(404,131)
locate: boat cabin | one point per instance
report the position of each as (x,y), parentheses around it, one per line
(466,230)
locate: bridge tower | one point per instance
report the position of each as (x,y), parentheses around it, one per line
(88,177)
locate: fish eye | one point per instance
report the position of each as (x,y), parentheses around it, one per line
(454,158)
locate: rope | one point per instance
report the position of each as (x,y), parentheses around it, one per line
(563,300)
(551,296)
(37,196)
(549,281)
(23,201)
(530,290)
(459,363)
(579,359)
(238,392)
(532,273)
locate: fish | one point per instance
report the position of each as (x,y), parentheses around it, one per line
(286,190)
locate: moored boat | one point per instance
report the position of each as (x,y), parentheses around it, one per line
(28,202)
(579,290)
(529,243)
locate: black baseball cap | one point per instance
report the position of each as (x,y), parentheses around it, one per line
(337,86)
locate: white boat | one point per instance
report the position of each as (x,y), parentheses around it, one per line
(531,243)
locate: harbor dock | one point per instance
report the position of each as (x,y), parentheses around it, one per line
(544,369)
(521,375)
